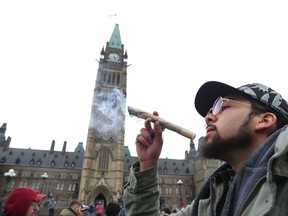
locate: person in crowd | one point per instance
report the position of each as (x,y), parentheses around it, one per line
(23,201)
(112,209)
(247,128)
(166,211)
(51,204)
(74,209)
(99,209)
(91,209)
(122,211)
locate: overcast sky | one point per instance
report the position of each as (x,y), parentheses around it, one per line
(48,67)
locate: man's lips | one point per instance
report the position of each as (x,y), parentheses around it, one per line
(210,128)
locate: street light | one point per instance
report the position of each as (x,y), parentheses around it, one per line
(179,182)
(44,177)
(8,177)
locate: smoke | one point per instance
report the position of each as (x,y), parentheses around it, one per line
(108,114)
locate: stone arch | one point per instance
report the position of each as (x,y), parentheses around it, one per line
(101,192)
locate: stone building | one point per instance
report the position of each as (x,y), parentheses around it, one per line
(100,170)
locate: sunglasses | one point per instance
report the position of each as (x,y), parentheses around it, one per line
(218,104)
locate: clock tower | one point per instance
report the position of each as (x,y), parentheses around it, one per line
(103,164)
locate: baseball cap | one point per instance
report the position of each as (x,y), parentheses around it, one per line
(20,199)
(211,90)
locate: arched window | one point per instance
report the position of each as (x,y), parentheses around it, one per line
(103,160)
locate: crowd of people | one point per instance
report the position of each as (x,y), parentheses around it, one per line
(26,201)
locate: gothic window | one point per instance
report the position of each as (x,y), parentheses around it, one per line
(10,153)
(32,162)
(177,191)
(23,183)
(113,78)
(26,173)
(39,162)
(118,79)
(62,187)
(66,164)
(165,170)
(11,184)
(109,78)
(34,185)
(167,191)
(33,154)
(70,187)
(104,77)
(103,160)
(74,187)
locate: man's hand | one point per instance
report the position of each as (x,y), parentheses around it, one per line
(148,147)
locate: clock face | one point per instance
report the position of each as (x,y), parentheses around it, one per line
(113,57)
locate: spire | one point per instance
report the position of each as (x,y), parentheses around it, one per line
(64,147)
(2,133)
(115,40)
(52,146)
(79,148)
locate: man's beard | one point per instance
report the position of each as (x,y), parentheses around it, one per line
(219,147)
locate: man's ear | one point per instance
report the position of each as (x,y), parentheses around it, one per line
(266,121)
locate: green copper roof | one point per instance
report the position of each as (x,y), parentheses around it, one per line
(79,148)
(115,40)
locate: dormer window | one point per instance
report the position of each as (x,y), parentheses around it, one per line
(18,160)
(3,159)
(52,163)
(73,164)
(39,162)
(66,164)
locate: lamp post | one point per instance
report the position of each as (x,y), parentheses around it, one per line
(8,177)
(179,182)
(44,177)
